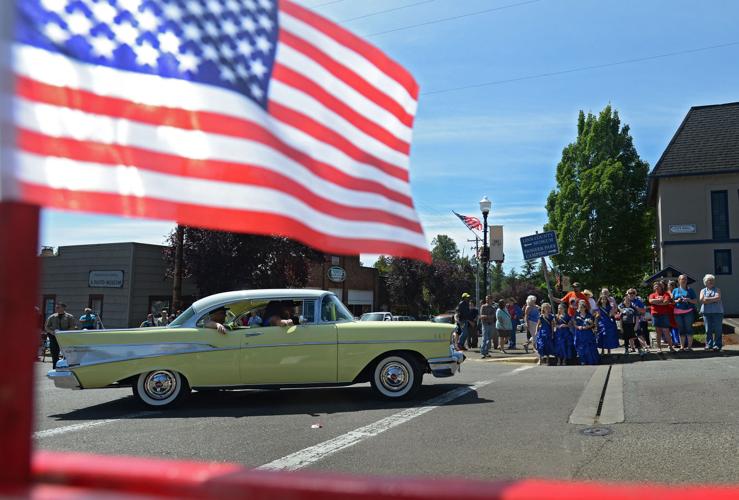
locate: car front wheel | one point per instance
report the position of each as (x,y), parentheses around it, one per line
(396,377)
(161,388)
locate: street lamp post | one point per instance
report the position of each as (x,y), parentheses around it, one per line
(485,205)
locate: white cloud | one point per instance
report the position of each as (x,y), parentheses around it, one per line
(492,128)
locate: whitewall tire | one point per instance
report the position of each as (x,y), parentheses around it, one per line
(395,377)
(161,388)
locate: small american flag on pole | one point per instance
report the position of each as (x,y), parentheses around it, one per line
(244,115)
(469,221)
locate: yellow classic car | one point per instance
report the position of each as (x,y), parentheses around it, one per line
(323,346)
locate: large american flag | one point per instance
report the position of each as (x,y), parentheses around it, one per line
(245,115)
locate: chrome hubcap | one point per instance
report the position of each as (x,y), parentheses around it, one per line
(394,376)
(160,385)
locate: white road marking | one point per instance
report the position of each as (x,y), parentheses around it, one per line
(81,427)
(521,369)
(312,454)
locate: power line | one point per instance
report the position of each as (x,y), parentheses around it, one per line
(384,11)
(582,68)
(451,18)
(326,3)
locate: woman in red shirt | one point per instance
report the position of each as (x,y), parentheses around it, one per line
(660,303)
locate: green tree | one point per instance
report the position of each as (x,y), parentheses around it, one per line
(405,285)
(383,264)
(497,276)
(221,261)
(444,249)
(598,205)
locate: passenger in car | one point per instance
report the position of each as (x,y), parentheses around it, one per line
(275,313)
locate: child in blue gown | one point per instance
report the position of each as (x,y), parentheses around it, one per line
(607,330)
(544,333)
(564,341)
(587,350)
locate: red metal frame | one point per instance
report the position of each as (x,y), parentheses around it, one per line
(19,337)
(72,475)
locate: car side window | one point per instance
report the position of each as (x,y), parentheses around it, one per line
(309,312)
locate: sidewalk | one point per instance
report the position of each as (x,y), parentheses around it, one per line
(519,355)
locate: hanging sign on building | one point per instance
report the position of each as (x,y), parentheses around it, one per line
(682,228)
(336,274)
(105,279)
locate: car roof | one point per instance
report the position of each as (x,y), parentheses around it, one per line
(211,301)
(377,312)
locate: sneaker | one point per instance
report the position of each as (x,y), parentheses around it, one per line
(707,348)
(716,349)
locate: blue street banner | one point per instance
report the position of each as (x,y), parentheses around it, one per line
(539,245)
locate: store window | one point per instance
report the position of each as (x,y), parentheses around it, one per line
(722,261)
(157,303)
(48,305)
(720,214)
(95,302)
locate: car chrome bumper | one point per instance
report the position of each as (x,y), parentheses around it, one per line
(446,367)
(63,378)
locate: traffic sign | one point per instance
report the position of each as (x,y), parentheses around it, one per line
(539,245)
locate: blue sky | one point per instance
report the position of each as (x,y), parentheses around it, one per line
(504,140)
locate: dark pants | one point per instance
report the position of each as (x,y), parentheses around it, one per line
(512,340)
(54,348)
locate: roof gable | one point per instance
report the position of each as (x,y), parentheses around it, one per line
(707,142)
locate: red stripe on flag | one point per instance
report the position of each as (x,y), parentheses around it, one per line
(322,133)
(347,76)
(207,122)
(300,82)
(223,219)
(370,52)
(221,171)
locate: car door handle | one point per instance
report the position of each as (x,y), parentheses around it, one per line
(252,334)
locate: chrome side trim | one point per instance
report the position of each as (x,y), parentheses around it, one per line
(64,379)
(393,341)
(293,344)
(86,355)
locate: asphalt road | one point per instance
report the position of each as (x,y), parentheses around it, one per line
(671,419)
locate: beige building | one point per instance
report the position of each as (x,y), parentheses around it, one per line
(121,282)
(695,190)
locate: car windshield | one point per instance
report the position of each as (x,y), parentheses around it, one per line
(372,317)
(332,310)
(182,318)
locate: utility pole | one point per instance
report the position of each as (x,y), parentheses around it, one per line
(178,267)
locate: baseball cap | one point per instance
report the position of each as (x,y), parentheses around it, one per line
(465,295)
(576,284)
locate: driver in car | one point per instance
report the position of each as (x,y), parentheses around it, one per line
(216,319)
